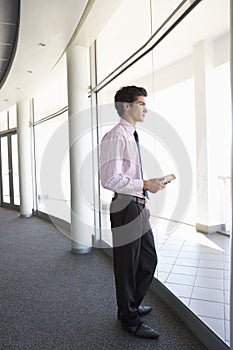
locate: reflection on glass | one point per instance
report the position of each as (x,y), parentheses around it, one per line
(193,265)
(5,170)
(115,46)
(3,121)
(15,170)
(162,9)
(12,117)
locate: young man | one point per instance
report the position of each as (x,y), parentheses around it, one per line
(134,254)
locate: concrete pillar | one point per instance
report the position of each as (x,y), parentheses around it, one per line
(208,210)
(79,113)
(24,149)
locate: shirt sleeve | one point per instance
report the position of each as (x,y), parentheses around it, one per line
(113,161)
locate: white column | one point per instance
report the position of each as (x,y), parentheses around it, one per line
(79,119)
(208,209)
(24,151)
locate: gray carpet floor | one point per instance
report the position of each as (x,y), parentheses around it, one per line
(51,299)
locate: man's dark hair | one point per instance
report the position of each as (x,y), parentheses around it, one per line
(127,94)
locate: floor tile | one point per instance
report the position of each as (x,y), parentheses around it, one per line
(227,258)
(185,301)
(206,282)
(197,271)
(204,272)
(213,264)
(180,290)
(169,253)
(227,284)
(208,294)
(163,267)
(181,279)
(166,259)
(187,262)
(188,248)
(217,251)
(216,325)
(162,276)
(227,265)
(227,331)
(190,255)
(208,256)
(185,270)
(227,297)
(207,308)
(227,312)
(227,274)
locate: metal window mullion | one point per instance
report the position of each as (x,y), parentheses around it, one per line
(10,168)
(95,142)
(154,40)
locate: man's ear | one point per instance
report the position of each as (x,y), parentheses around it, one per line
(126,106)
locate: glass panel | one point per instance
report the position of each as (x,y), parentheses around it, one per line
(5,170)
(53,96)
(3,121)
(15,170)
(162,9)
(53,177)
(119,39)
(12,117)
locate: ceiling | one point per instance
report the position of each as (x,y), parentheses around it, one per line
(47,27)
(9,25)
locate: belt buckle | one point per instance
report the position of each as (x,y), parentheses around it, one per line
(141,200)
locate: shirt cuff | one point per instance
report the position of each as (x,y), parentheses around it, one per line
(138,185)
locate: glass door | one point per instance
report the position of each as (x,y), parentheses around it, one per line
(9,175)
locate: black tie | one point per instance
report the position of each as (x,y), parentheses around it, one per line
(140,159)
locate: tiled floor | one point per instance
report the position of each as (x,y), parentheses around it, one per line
(196,268)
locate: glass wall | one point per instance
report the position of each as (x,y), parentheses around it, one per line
(194,266)
(51,139)
(52,167)
(3,121)
(128,29)
(5,170)
(15,168)
(9,179)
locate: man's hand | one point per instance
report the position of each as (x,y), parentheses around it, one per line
(153,185)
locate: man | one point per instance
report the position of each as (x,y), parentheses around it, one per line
(134,254)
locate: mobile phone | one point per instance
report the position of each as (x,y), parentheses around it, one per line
(168,178)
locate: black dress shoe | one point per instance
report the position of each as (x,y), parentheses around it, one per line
(142,331)
(144,310)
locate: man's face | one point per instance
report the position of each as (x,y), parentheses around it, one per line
(138,110)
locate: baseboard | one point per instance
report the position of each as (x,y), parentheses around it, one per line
(209,229)
(59,223)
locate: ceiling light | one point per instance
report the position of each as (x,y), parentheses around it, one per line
(42,44)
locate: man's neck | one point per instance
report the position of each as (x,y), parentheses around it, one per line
(127,118)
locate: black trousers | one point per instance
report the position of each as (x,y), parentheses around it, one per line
(134,256)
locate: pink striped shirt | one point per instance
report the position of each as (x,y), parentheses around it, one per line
(119,161)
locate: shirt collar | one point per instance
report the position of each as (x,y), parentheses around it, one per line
(126,125)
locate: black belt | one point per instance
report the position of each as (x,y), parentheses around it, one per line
(128,196)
